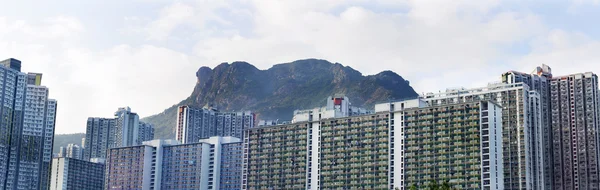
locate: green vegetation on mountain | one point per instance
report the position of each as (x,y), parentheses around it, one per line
(276,92)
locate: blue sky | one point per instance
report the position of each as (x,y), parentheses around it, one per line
(100,55)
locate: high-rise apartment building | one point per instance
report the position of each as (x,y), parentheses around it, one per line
(12,87)
(539,81)
(231,166)
(99,137)
(27,130)
(166,164)
(71,151)
(276,157)
(76,174)
(568,132)
(575,136)
(316,150)
(127,128)
(194,124)
(460,144)
(74,151)
(123,130)
(145,132)
(367,151)
(521,113)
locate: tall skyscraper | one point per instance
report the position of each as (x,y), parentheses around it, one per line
(27,132)
(575,122)
(166,164)
(194,124)
(75,174)
(123,130)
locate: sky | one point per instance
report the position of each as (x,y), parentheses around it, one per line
(98,55)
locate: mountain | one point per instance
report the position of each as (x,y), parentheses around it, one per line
(276,92)
(66,139)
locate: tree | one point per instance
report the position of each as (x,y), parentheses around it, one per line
(433,185)
(445,186)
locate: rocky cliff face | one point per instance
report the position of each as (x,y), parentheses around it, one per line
(276,92)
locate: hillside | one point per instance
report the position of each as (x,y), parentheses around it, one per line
(276,92)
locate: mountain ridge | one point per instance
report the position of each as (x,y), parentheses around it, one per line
(276,92)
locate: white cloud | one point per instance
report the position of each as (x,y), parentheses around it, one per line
(151,62)
(566,52)
(416,47)
(96,82)
(581,2)
(170,17)
(576,5)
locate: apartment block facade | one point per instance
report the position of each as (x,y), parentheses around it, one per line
(575,121)
(99,137)
(231,166)
(123,130)
(71,151)
(276,157)
(12,88)
(457,143)
(521,113)
(194,124)
(539,81)
(167,164)
(354,152)
(76,174)
(27,130)
(368,151)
